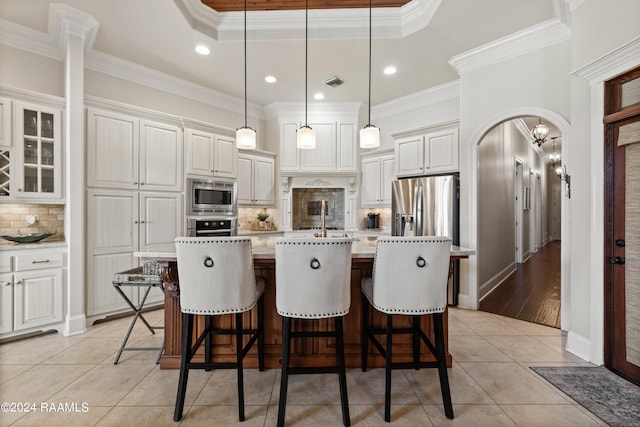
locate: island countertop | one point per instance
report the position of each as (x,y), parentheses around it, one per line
(263,247)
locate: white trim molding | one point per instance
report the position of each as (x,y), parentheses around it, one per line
(520,43)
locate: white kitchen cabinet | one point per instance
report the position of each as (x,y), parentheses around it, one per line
(37,155)
(336,147)
(210,155)
(428,153)
(6,303)
(126,152)
(120,223)
(256,174)
(377,175)
(32,294)
(5,123)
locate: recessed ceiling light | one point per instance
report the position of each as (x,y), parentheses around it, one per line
(202,49)
(318,96)
(270,79)
(390,70)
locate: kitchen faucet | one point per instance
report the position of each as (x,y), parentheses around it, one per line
(323,232)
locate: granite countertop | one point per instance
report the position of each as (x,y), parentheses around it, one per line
(263,247)
(6,245)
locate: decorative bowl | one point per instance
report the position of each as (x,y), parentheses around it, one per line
(27,238)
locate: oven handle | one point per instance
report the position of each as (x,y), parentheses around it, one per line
(225,232)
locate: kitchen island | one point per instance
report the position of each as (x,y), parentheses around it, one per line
(304,352)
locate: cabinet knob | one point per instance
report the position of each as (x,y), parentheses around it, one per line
(141,222)
(19,189)
(142,183)
(135,183)
(135,222)
(19,282)
(7,283)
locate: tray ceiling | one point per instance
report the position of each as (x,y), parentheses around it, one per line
(253,5)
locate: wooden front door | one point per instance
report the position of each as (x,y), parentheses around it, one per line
(622,225)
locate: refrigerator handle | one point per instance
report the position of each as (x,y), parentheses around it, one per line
(419,207)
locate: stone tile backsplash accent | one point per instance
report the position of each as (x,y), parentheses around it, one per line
(13,219)
(306,208)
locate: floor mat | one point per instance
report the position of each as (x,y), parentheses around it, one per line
(610,397)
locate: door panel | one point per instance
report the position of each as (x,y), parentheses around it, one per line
(622,238)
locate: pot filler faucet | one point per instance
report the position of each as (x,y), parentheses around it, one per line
(323,232)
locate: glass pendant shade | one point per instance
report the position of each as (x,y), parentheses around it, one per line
(539,133)
(369,137)
(558,170)
(306,138)
(245,138)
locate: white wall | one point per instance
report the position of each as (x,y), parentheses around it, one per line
(24,70)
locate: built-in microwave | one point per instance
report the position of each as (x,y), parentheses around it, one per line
(206,197)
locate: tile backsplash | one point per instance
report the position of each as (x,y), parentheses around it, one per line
(13,219)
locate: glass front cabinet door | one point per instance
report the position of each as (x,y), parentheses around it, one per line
(38,152)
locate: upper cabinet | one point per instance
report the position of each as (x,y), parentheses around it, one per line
(256,179)
(131,153)
(427,152)
(377,175)
(37,152)
(210,155)
(336,142)
(5,123)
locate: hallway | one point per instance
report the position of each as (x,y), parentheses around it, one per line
(532,292)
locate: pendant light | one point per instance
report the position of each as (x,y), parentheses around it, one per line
(539,133)
(245,136)
(369,135)
(306,136)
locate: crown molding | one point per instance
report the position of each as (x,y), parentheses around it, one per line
(431,96)
(574,4)
(615,62)
(545,34)
(294,109)
(65,20)
(323,24)
(126,70)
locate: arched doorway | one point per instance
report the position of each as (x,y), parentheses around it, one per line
(479,235)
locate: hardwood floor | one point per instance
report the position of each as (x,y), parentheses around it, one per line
(532,292)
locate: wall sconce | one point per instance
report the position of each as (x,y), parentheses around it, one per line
(564,176)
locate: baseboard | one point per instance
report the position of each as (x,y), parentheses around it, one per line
(579,345)
(487,287)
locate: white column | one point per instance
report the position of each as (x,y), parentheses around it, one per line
(78,30)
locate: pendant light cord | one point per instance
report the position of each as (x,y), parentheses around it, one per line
(245,63)
(306,58)
(370,2)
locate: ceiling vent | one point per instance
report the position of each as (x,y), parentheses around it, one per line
(334,81)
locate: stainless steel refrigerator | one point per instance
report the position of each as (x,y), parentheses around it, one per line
(428,206)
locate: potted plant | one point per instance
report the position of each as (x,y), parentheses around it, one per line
(262,217)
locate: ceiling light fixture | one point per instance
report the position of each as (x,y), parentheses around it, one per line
(202,49)
(554,157)
(318,96)
(390,70)
(270,79)
(245,136)
(306,136)
(369,135)
(539,133)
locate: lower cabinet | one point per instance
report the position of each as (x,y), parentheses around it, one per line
(32,296)
(119,223)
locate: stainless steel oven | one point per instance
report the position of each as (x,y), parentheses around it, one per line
(212,227)
(212,198)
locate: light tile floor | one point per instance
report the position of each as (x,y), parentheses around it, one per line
(491,383)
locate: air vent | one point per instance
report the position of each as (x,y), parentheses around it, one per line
(334,81)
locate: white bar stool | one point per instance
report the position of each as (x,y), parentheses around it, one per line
(313,279)
(217,277)
(409,278)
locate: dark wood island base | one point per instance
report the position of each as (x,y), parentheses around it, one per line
(308,352)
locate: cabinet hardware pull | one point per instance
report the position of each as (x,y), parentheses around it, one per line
(142,183)
(19,282)
(7,283)
(141,222)
(40,262)
(19,189)
(135,222)
(135,183)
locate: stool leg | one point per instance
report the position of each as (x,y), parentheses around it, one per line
(207,342)
(416,340)
(364,336)
(342,377)
(261,333)
(284,376)
(239,357)
(442,365)
(387,379)
(187,329)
